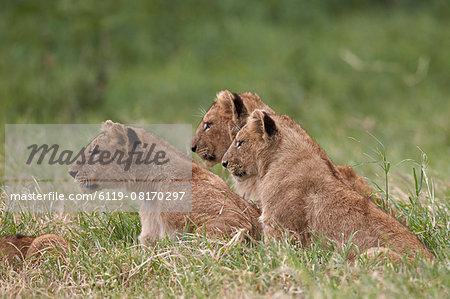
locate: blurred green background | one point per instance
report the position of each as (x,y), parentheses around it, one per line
(339,68)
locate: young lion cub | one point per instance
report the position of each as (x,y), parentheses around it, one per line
(216,210)
(299,189)
(220,125)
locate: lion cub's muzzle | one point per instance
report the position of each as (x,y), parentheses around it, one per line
(203,154)
(84,181)
(235,169)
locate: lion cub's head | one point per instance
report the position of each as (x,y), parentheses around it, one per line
(220,124)
(218,127)
(102,164)
(243,157)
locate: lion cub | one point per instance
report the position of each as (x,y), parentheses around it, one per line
(220,125)
(216,210)
(15,248)
(299,189)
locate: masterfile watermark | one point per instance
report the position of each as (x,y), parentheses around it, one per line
(105,157)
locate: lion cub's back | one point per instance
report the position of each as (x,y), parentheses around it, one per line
(47,242)
(215,198)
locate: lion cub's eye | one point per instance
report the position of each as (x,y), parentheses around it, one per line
(208,125)
(95,151)
(239,143)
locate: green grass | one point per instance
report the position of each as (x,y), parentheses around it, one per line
(105,258)
(343,71)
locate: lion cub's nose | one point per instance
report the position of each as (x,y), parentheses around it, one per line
(194,148)
(73,173)
(225,164)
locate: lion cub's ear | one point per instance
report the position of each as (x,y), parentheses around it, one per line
(116,133)
(107,124)
(263,123)
(121,135)
(232,104)
(132,138)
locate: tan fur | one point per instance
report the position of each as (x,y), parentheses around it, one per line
(300,190)
(216,210)
(44,243)
(16,248)
(211,143)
